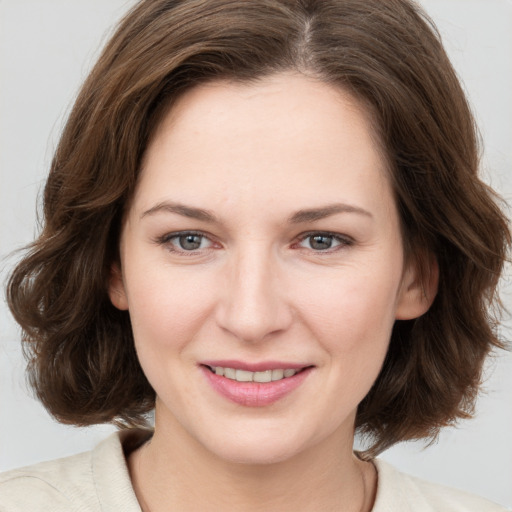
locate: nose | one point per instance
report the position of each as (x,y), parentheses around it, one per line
(254,305)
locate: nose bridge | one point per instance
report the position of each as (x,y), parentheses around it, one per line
(253,306)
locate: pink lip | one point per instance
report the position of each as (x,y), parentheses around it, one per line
(254,394)
(254,367)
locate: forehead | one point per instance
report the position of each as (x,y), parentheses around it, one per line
(284,135)
(246,105)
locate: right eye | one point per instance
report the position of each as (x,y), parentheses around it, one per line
(184,242)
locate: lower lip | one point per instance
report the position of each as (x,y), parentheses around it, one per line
(255,394)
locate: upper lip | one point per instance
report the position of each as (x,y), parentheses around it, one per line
(255,367)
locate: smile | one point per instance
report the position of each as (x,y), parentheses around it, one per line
(248,376)
(254,385)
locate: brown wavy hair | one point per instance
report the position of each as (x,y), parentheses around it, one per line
(82,361)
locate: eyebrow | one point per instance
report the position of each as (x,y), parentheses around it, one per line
(313,214)
(301,216)
(181,209)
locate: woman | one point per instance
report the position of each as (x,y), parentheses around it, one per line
(263,220)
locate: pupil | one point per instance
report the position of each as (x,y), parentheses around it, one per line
(321,242)
(190,242)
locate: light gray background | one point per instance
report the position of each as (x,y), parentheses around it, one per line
(46,49)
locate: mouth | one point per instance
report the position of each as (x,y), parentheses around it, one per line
(270,375)
(254,385)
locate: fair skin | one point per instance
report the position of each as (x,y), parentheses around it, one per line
(263,233)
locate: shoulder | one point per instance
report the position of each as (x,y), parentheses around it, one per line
(62,484)
(399,492)
(92,481)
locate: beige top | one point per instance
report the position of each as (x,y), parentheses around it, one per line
(98,481)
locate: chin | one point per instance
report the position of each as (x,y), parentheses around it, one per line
(253,444)
(256,453)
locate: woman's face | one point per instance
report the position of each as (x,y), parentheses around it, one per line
(263,240)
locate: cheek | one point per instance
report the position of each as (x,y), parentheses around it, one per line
(167,312)
(354,310)
(352,321)
(167,307)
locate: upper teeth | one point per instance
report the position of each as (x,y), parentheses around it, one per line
(246,376)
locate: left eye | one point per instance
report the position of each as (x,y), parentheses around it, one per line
(322,241)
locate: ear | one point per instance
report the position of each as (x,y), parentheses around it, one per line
(116,289)
(419,287)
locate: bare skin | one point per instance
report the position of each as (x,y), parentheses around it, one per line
(218,485)
(263,231)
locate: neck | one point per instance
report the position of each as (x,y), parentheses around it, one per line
(175,472)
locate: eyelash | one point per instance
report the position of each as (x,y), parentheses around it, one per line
(167,239)
(343,241)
